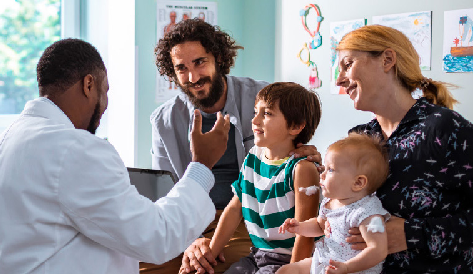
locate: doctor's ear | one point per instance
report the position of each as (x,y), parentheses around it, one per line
(87,84)
(360,183)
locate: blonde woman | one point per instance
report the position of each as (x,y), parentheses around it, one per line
(429,187)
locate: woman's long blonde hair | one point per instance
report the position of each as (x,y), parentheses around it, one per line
(374,39)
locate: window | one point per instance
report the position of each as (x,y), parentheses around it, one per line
(27,27)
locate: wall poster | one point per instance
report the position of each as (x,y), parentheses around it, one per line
(458,41)
(337,31)
(417,26)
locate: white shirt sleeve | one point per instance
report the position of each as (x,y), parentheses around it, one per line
(96,196)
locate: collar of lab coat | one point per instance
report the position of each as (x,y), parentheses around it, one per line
(43,107)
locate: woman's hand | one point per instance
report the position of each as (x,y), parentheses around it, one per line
(396,236)
(327,229)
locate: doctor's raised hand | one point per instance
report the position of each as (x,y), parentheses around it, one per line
(208,148)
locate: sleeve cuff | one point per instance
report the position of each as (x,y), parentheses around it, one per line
(201,174)
(414,231)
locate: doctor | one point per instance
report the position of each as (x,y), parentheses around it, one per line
(66,203)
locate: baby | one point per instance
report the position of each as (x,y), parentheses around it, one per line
(354,168)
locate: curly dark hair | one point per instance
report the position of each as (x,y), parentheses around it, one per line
(222,46)
(65,62)
(298,105)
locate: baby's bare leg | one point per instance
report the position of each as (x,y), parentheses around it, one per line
(301,267)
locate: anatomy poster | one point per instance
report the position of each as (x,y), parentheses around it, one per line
(337,31)
(169,14)
(458,41)
(417,26)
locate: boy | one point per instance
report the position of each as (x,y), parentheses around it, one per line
(354,168)
(267,190)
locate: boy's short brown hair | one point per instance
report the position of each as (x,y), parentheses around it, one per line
(370,156)
(298,105)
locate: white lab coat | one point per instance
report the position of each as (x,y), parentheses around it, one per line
(67,206)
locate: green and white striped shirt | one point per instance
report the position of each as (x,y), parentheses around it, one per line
(266,191)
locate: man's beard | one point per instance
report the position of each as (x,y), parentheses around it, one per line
(95,119)
(215,93)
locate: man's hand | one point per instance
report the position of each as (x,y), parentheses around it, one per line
(198,256)
(209,147)
(312,155)
(290,225)
(396,236)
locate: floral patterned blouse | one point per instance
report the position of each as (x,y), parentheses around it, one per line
(430,185)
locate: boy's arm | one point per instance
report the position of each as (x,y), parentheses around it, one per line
(228,223)
(375,252)
(306,207)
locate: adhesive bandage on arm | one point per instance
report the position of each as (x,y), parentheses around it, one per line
(311,190)
(375,225)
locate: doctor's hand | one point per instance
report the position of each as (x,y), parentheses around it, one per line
(208,148)
(312,155)
(198,257)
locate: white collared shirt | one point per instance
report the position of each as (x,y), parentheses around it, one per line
(67,206)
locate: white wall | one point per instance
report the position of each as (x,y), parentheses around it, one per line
(110,27)
(121,77)
(338,114)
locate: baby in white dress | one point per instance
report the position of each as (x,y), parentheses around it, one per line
(354,168)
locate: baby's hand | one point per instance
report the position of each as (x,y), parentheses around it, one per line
(290,225)
(336,267)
